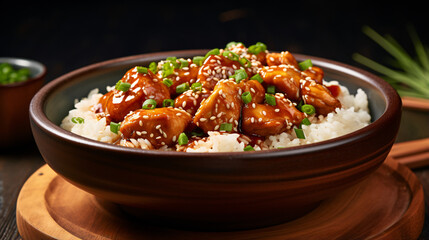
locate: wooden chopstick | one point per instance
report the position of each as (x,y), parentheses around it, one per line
(413,154)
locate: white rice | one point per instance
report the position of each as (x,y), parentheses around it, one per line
(353,115)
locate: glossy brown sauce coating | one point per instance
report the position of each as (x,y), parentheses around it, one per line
(218,101)
(116,104)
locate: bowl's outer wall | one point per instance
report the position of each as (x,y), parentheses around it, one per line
(15,101)
(272,184)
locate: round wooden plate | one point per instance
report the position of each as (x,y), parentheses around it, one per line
(388,204)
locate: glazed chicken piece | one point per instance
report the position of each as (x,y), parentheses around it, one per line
(319,96)
(313,73)
(161,126)
(187,74)
(190,100)
(256,90)
(282,58)
(116,104)
(285,78)
(223,106)
(264,119)
(215,68)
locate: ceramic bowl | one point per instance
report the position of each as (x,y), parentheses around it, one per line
(15,101)
(212,191)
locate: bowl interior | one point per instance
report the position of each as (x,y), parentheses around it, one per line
(82,81)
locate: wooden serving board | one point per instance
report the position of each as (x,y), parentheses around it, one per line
(389,204)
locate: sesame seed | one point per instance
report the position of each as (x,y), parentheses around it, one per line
(158,126)
(212,117)
(203,119)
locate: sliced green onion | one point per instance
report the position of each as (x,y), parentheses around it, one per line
(168,82)
(270,99)
(226,127)
(306,122)
(114,127)
(167,69)
(149,104)
(231,44)
(182,88)
(214,51)
(141,69)
(78,120)
(271,89)
(182,139)
(198,60)
(197,133)
(245,62)
(122,86)
(299,133)
(257,77)
(173,61)
(153,67)
(196,87)
(231,55)
(168,103)
(246,97)
(239,75)
(248,148)
(183,63)
(257,48)
(307,108)
(304,65)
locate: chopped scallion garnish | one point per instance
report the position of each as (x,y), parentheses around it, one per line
(270,99)
(231,44)
(78,120)
(149,104)
(299,133)
(271,89)
(196,87)
(306,122)
(114,127)
(153,67)
(182,139)
(141,69)
(183,63)
(304,65)
(182,88)
(122,86)
(198,60)
(214,51)
(239,75)
(257,77)
(168,103)
(257,48)
(245,62)
(248,148)
(231,55)
(227,127)
(309,109)
(246,97)
(167,69)
(167,82)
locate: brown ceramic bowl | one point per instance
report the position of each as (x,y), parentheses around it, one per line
(15,100)
(212,191)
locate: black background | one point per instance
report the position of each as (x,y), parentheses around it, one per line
(68,35)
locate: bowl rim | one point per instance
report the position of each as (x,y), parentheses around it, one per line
(27,62)
(38,117)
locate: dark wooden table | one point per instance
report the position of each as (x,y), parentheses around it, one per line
(16,165)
